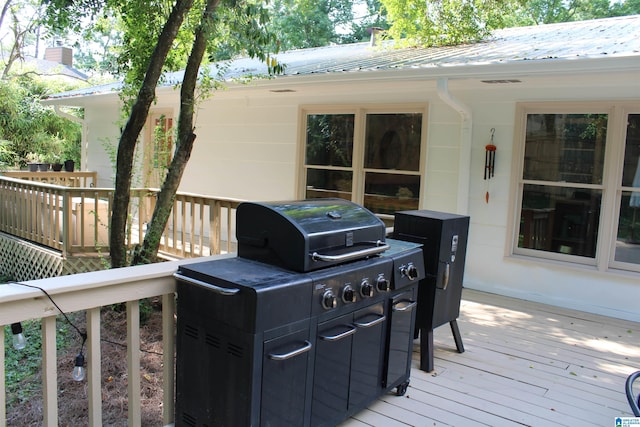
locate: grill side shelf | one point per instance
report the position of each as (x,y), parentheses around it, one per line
(217,289)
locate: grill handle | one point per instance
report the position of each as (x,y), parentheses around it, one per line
(370,324)
(379,248)
(214,288)
(294,353)
(339,336)
(404,306)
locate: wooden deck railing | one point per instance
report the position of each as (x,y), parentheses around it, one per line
(69,179)
(75,220)
(89,292)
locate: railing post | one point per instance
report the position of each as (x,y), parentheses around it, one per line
(49,372)
(94,370)
(133,362)
(67,224)
(168,357)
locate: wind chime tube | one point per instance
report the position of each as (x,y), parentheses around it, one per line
(486,162)
(489,161)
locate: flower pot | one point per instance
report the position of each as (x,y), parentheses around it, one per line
(43,167)
(33,167)
(68,165)
(57,167)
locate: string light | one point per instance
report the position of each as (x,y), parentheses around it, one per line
(19,341)
(78,372)
(78,369)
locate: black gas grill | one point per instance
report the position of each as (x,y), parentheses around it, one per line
(312,321)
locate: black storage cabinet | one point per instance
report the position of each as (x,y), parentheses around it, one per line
(444,239)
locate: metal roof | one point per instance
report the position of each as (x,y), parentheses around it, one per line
(600,38)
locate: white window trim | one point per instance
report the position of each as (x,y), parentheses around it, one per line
(611,179)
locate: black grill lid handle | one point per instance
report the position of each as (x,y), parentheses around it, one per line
(379,248)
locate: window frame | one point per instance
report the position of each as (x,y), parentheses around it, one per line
(611,186)
(359,135)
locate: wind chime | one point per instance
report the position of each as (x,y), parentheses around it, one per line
(489,163)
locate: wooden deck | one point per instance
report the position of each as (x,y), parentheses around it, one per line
(524,364)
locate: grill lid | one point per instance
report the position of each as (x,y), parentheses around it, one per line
(306,235)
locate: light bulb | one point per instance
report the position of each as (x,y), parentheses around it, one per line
(19,341)
(78,369)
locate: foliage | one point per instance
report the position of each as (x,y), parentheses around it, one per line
(451,22)
(22,365)
(309,23)
(445,22)
(31,127)
(535,12)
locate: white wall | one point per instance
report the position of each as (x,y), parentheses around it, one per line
(103,124)
(488,268)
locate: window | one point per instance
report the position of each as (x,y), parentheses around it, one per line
(368,156)
(158,147)
(627,245)
(571,189)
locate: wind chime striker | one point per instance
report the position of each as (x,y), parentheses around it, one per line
(489,163)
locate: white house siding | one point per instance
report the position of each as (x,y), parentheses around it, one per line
(488,267)
(245,148)
(102,122)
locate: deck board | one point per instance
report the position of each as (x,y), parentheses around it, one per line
(524,364)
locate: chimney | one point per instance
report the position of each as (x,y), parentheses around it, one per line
(374,31)
(60,54)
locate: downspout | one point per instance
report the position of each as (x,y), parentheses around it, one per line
(83,145)
(464,156)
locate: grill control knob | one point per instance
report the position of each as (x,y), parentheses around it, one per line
(348,295)
(409,271)
(366,289)
(382,283)
(329,300)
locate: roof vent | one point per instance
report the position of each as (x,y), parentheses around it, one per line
(501,81)
(374,31)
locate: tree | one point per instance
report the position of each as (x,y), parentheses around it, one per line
(143,60)
(444,22)
(19,20)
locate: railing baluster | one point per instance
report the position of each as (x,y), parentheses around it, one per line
(201,227)
(217,212)
(133,363)
(192,228)
(49,372)
(183,214)
(94,370)
(229,225)
(168,353)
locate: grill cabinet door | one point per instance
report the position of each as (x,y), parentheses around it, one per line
(331,375)
(284,380)
(402,322)
(367,356)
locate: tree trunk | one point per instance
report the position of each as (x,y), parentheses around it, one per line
(148,251)
(129,137)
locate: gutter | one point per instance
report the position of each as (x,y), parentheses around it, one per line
(68,116)
(464,156)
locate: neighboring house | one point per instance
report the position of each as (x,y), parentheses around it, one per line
(56,64)
(407,129)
